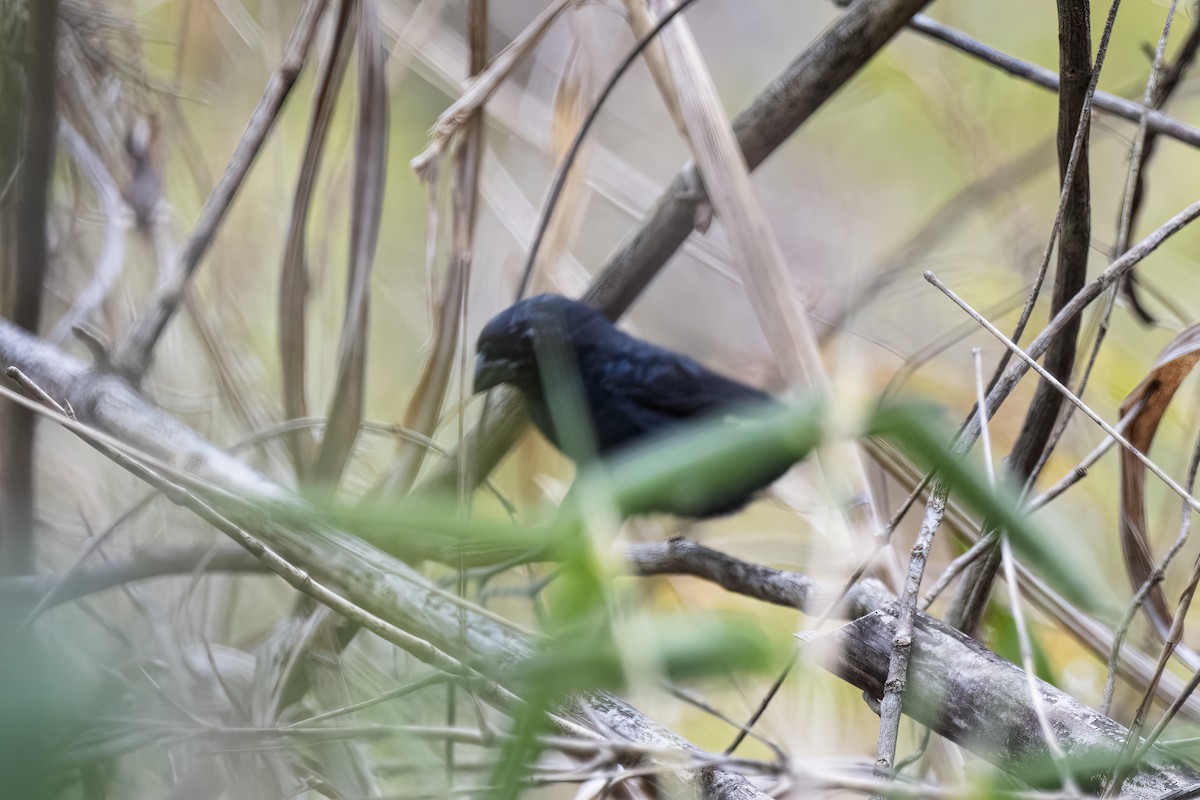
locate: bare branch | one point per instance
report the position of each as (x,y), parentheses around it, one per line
(1072,230)
(384,588)
(142,566)
(811,79)
(1157,121)
(965,692)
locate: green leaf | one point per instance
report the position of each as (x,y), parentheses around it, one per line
(695,462)
(432,528)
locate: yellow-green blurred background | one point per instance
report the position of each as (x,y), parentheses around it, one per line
(890,154)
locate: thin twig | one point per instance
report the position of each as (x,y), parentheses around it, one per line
(145,565)
(983,544)
(1071,230)
(701,704)
(482,85)
(1080,470)
(890,705)
(1064,419)
(297,578)
(1127,109)
(400,691)
(564,168)
(383,428)
(745,728)
(1155,577)
(1134,193)
(1014,600)
(56,591)
(1169,715)
(1029,359)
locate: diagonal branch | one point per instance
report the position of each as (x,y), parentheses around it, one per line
(380,586)
(1157,94)
(966,693)
(1156,121)
(157,563)
(1073,226)
(810,80)
(135,351)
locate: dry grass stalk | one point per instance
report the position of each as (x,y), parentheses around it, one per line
(641,21)
(572,99)
(293,279)
(611,176)
(513,210)
(483,85)
(776,302)
(448,312)
(370,173)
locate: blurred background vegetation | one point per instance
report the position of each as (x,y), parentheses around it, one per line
(926,160)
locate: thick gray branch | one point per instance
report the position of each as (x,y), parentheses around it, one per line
(369,577)
(957,687)
(971,696)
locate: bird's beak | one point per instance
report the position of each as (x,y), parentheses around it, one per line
(490,373)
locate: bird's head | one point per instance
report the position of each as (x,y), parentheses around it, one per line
(507,350)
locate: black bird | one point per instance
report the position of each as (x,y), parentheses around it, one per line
(631,389)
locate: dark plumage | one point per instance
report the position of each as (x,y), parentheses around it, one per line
(632,389)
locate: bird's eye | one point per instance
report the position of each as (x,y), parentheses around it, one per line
(526,339)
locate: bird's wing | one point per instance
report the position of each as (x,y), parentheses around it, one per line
(674,385)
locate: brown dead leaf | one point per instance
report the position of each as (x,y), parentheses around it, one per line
(1147,404)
